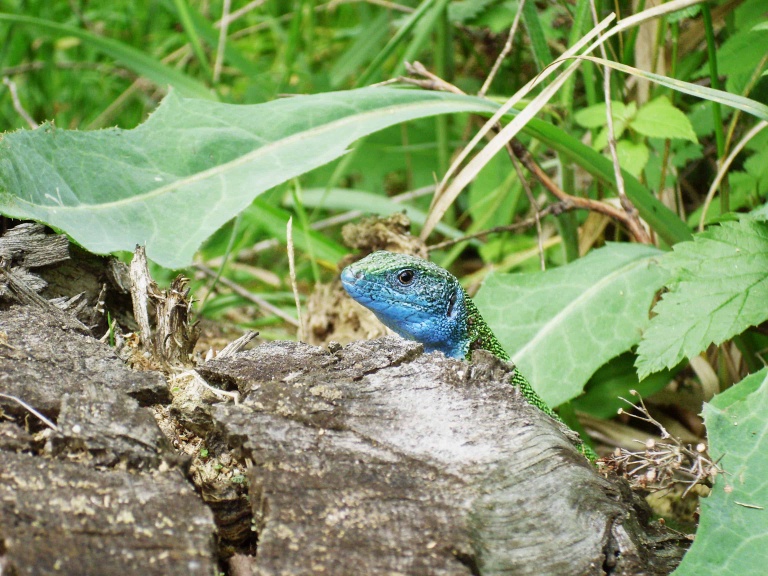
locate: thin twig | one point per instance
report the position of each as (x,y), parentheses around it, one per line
(240,291)
(31,410)
(579,202)
(661,464)
(504,52)
(434,82)
(292,273)
(554,209)
(17,103)
(633,220)
(534,204)
(220,48)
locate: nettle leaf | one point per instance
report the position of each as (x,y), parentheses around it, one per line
(660,119)
(721,289)
(192,166)
(733,531)
(561,325)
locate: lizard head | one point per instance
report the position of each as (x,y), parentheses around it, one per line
(413,297)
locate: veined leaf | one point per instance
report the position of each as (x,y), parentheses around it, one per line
(733,532)
(561,325)
(720,290)
(174,180)
(659,119)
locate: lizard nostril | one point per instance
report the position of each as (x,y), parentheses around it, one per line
(351,274)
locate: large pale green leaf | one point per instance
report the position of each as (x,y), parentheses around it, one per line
(193,165)
(561,325)
(720,289)
(732,539)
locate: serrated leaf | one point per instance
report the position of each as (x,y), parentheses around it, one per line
(561,325)
(193,165)
(733,531)
(660,119)
(721,289)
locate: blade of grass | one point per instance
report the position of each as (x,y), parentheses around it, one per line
(539,47)
(747,105)
(580,19)
(399,36)
(192,36)
(130,57)
(723,169)
(274,220)
(298,205)
(360,51)
(717,116)
(506,107)
(464,177)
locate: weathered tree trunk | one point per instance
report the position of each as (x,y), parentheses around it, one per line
(368,459)
(378,459)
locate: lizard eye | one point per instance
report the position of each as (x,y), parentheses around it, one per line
(405,277)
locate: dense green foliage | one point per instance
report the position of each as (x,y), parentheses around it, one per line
(687,94)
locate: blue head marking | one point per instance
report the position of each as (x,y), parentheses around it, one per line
(413,297)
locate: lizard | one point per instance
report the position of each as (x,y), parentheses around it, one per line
(421,301)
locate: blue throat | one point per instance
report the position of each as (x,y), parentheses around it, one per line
(428,312)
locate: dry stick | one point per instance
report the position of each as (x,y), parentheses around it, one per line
(633,220)
(553,209)
(504,52)
(435,83)
(584,203)
(240,291)
(292,272)
(222,40)
(17,103)
(26,406)
(532,200)
(723,166)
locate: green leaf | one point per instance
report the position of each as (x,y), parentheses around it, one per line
(720,289)
(632,157)
(595,117)
(130,57)
(732,539)
(660,119)
(539,47)
(603,395)
(174,180)
(561,325)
